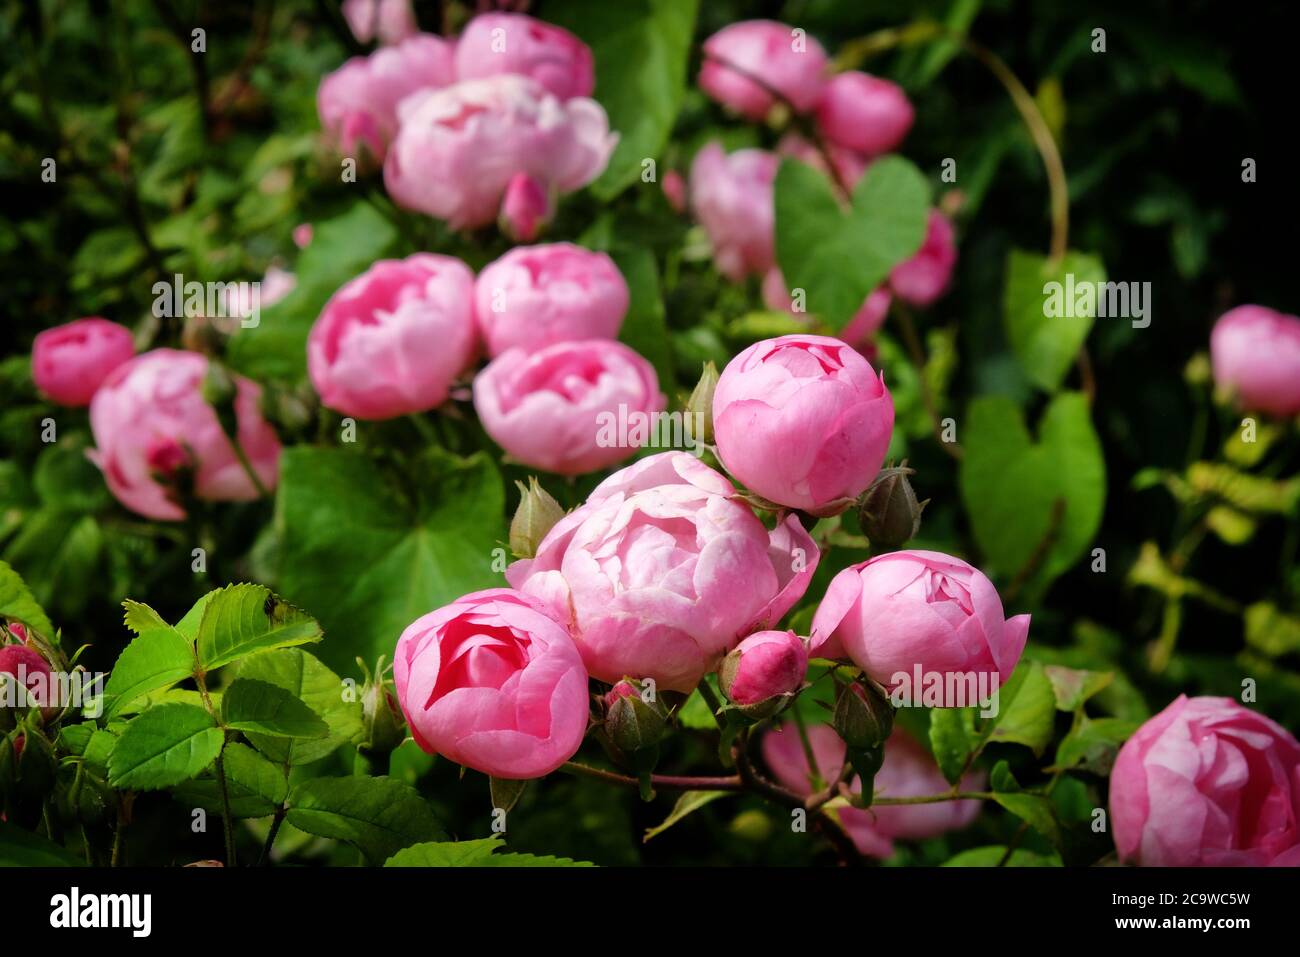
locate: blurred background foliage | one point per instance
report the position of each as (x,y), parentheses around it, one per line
(169,162)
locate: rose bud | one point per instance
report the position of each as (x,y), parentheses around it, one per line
(864,113)
(1207,783)
(71,361)
(924,278)
(908,770)
(861,329)
(664,569)
(361,351)
(699,407)
(803,421)
(888,512)
(381,717)
(767,667)
(1255,354)
(536,515)
(495,43)
(156,440)
(731,196)
(793,64)
(357,103)
(388,21)
(911,610)
(633,723)
(492,682)
(558,409)
(29,670)
(863,716)
(458,148)
(525,209)
(536,296)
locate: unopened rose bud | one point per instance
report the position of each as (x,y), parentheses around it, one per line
(888,511)
(699,408)
(26,667)
(525,208)
(863,716)
(764,671)
(382,716)
(632,723)
(536,515)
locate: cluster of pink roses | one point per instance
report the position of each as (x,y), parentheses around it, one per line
(496,123)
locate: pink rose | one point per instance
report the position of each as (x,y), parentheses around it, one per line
(866,322)
(864,113)
(674,187)
(764,665)
(914,609)
(1255,353)
(358,102)
(781,58)
(525,208)
(392,340)
(731,196)
(908,771)
(391,21)
(1207,782)
(492,683)
(29,669)
(804,421)
(495,43)
(663,570)
(154,433)
(924,278)
(556,409)
(536,296)
(69,362)
(459,148)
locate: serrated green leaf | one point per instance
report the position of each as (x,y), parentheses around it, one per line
(1073,687)
(952,738)
(379,815)
(303,676)
(1094,743)
(1034,809)
(156,658)
(256,787)
(165,745)
(480,853)
(1027,709)
(242,619)
(688,802)
(16,602)
(992,856)
(260,706)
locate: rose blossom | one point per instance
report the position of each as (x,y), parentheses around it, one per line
(536,296)
(864,113)
(358,102)
(916,609)
(70,361)
(549,408)
(1208,782)
(525,208)
(1255,353)
(764,665)
(28,667)
(458,148)
(866,322)
(804,421)
(496,43)
(392,340)
(664,570)
(908,771)
(153,430)
(770,52)
(924,278)
(731,196)
(493,683)
(391,21)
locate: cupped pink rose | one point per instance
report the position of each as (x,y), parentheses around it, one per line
(154,431)
(459,148)
(1208,782)
(388,21)
(536,296)
(358,102)
(864,113)
(493,683)
(392,340)
(559,408)
(764,665)
(731,196)
(71,361)
(1255,354)
(908,770)
(495,43)
(664,570)
(779,57)
(866,322)
(804,421)
(924,278)
(905,610)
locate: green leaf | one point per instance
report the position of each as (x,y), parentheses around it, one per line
(253,705)
(16,602)
(1271,630)
(256,787)
(644,328)
(189,625)
(305,678)
(1027,708)
(952,738)
(369,552)
(23,848)
(992,856)
(165,745)
(1034,809)
(1010,486)
(479,853)
(1094,744)
(1046,345)
(838,257)
(641,49)
(1073,687)
(379,815)
(241,619)
(688,802)
(156,658)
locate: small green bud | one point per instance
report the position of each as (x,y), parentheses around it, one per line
(888,511)
(633,723)
(699,407)
(536,515)
(863,717)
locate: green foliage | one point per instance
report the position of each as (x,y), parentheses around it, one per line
(242,619)
(1046,346)
(480,853)
(165,745)
(378,815)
